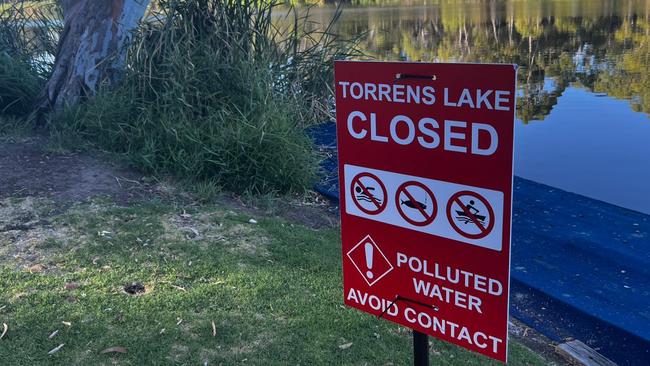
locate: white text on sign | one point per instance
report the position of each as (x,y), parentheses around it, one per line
(415,94)
(434,324)
(425,133)
(441,278)
(467,214)
(431,132)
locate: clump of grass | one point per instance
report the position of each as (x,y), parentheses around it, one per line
(28,36)
(206,191)
(216,91)
(19,85)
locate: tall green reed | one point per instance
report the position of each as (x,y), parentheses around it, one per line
(28,37)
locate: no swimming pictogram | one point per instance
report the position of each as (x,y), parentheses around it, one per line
(368,193)
(416,203)
(470,214)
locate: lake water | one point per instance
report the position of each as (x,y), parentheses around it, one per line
(584,78)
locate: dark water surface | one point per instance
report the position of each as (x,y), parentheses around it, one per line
(584,79)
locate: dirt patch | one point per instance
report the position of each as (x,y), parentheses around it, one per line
(28,169)
(134,288)
(28,239)
(37,185)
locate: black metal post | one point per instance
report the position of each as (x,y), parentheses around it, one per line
(420,349)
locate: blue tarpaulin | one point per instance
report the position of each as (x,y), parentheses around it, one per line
(580,267)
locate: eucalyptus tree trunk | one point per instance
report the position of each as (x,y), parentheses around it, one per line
(91,48)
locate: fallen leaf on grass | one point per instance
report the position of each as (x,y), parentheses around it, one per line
(346,345)
(71,286)
(114,350)
(214,329)
(53,334)
(5,328)
(56,349)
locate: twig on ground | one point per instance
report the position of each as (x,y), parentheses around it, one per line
(114,350)
(174,286)
(178,287)
(129,180)
(56,349)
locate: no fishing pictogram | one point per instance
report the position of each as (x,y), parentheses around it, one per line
(368,193)
(416,203)
(470,214)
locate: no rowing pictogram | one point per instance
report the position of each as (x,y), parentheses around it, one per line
(416,203)
(470,214)
(368,193)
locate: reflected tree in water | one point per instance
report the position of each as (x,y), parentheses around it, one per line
(598,45)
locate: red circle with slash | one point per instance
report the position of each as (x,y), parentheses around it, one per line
(380,206)
(484,229)
(426,217)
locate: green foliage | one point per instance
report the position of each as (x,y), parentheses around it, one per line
(28,34)
(19,85)
(215,92)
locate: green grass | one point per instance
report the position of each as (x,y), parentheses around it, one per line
(20,85)
(15,128)
(273,290)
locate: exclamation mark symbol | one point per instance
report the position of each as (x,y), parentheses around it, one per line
(369,251)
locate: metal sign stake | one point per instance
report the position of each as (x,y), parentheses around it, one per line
(420,349)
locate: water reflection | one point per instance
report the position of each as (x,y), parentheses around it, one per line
(585,71)
(598,45)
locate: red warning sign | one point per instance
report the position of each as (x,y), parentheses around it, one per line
(425,167)
(470,214)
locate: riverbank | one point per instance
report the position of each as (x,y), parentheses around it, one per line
(136,271)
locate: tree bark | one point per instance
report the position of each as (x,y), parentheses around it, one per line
(91,49)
